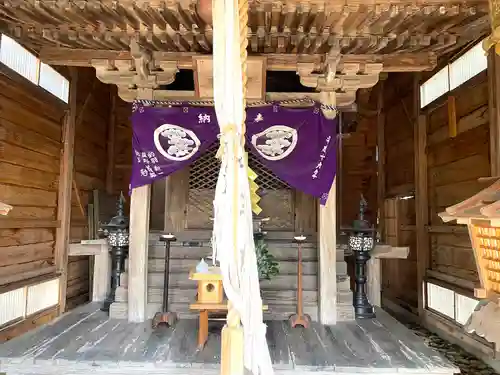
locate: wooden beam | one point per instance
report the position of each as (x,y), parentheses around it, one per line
(344,102)
(28,324)
(397,62)
(111,141)
(6,223)
(64,193)
(323,3)
(421,200)
(494,109)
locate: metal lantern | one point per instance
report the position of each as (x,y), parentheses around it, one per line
(361,242)
(117,234)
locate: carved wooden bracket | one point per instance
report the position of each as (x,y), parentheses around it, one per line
(345,78)
(142,71)
(135,73)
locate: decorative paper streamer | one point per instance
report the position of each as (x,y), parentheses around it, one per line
(254,196)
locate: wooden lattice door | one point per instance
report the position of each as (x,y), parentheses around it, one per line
(276,203)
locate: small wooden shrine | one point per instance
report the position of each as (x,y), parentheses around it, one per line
(481,214)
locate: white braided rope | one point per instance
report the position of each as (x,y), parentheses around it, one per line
(233,243)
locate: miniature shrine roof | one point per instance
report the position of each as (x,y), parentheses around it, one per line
(485,205)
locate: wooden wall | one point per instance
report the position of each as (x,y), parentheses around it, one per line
(30,145)
(122,147)
(93,106)
(357,170)
(454,164)
(399,276)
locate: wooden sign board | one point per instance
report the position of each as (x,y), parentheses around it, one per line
(204,77)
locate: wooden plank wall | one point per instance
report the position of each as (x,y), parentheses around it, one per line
(358,169)
(123,147)
(30,143)
(399,276)
(89,174)
(454,167)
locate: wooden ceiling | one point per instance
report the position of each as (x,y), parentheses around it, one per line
(279,27)
(351,38)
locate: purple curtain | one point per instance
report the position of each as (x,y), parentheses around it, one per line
(296,144)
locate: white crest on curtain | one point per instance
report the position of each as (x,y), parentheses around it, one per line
(182,143)
(280,141)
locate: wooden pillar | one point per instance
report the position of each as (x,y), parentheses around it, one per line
(494,108)
(421,200)
(381,183)
(327,239)
(138,244)
(327,262)
(65,190)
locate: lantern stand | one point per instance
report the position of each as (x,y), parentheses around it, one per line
(117,234)
(361,242)
(169,318)
(299,319)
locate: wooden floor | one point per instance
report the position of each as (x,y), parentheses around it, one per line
(85,341)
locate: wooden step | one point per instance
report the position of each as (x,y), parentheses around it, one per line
(279,250)
(286,267)
(176,295)
(278,283)
(345,312)
(268,296)
(119,310)
(180,280)
(185,265)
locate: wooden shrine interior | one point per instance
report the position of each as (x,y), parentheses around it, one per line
(407,161)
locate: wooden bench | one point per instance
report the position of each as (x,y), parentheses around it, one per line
(204,309)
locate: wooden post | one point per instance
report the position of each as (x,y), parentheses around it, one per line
(494,108)
(327,233)
(138,245)
(327,238)
(381,159)
(111,141)
(64,191)
(373,269)
(421,209)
